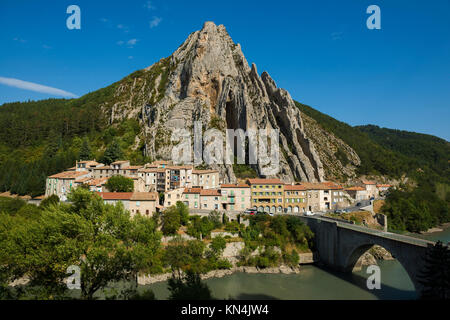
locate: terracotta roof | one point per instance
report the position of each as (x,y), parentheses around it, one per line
(210,192)
(237,185)
(383,186)
(102,168)
(355,189)
(69,174)
(120,161)
(88,161)
(192,190)
(144,196)
(160,162)
(294,188)
(368,182)
(115,195)
(195,171)
(132,168)
(180,167)
(82,180)
(98,182)
(264,181)
(327,185)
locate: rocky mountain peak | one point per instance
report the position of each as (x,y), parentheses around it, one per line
(208,79)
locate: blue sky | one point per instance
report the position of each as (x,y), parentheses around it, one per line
(320,51)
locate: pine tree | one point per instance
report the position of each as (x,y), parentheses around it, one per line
(435,277)
(85,151)
(113,152)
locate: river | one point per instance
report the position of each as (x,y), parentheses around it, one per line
(313,283)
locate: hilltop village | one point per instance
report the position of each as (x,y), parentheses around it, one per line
(160,184)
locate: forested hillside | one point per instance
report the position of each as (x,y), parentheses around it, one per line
(427,151)
(423,203)
(375,159)
(40,138)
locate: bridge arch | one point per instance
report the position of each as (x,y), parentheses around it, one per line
(409,256)
(339,245)
(352,261)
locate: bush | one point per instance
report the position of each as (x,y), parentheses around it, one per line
(120,184)
(52,200)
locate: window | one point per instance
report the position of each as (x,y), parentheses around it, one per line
(138,203)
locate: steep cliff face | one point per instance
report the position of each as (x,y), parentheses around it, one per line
(208,79)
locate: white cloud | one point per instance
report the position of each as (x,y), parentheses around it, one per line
(155,22)
(149,5)
(120,42)
(123,28)
(132,42)
(35,87)
(130,57)
(19,40)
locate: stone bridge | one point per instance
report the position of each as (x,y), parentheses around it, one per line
(340,244)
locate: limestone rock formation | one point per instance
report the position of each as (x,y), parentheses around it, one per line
(208,79)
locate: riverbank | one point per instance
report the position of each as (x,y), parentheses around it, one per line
(282,269)
(439,228)
(312,283)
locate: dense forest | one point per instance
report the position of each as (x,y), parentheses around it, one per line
(40,138)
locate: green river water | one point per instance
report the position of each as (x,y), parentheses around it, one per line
(313,283)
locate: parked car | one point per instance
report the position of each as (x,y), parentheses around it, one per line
(250,212)
(358,204)
(338,211)
(309,213)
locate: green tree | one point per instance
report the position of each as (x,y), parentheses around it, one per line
(171,221)
(174,217)
(120,184)
(113,152)
(101,239)
(435,276)
(85,151)
(52,200)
